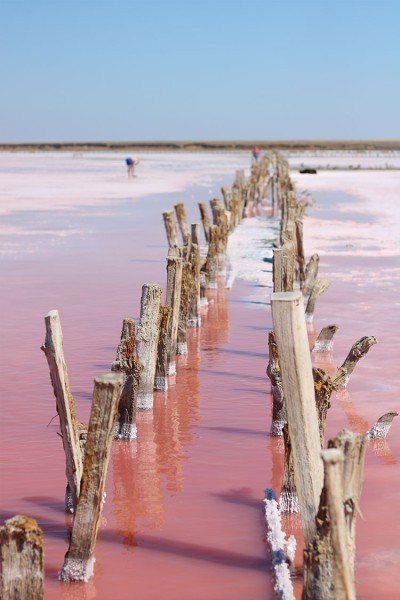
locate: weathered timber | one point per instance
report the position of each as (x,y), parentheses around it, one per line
(79,560)
(147,342)
(324,341)
(182,220)
(382,426)
(53,349)
(125,363)
(301,261)
(283,267)
(298,388)
(357,351)
(279,417)
(161,375)
(277,542)
(220,219)
(227,196)
(173,300)
(205,219)
(194,318)
(170,228)
(21,559)
(212,258)
(288,500)
(195,233)
(186,291)
(311,274)
(318,288)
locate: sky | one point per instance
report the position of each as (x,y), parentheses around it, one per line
(152,70)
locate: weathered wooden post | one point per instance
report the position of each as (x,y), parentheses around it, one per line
(186,293)
(194,318)
(161,376)
(318,288)
(173,300)
(298,388)
(125,363)
(212,258)
(357,351)
(205,219)
(53,349)
(147,342)
(195,233)
(21,559)
(170,228)
(324,341)
(279,417)
(283,267)
(311,275)
(182,220)
(79,560)
(227,196)
(382,426)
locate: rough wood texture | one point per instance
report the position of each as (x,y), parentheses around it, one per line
(212,258)
(324,386)
(324,341)
(227,196)
(186,293)
(125,363)
(182,220)
(205,219)
(220,219)
(161,376)
(283,267)
(311,275)
(194,318)
(301,261)
(277,542)
(21,559)
(147,342)
(382,426)
(79,560)
(170,228)
(318,288)
(298,388)
(195,233)
(288,500)
(173,300)
(53,349)
(358,350)
(279,417)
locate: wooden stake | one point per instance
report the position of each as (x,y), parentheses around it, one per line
(382,426)
(125,363)
(182,220)
(194,318)
(21,559)
(227,196)
(147,342)
(358,350)
(161,376)
(318,288)
(311,274)
(212,258)
(195,233)
(324,341)
(173,300)
(283,267)
(298,388)
(53,349)
(170,228)
(79,560)
(186,293)
(301,261)
(288,500)
(279,417)
(205,219)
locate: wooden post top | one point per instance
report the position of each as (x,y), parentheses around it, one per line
(332,456)
(286,296)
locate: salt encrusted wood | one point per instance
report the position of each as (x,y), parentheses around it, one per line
(288,500)
(186,291)
(125,363)
(21,559)
(205,219)
(220,219)
(277,542)
(279,417)
(324,341)
(226,194)
(161,376)
(212,258)
(170,228)
(357,351)
(79,560)
(147,342)
(311,274)
(53,349)
(194,318)
(182,220)
(324,386)
(195,233)
(382,426)
(320,286)
(173,300)
(298,388)
(283,267)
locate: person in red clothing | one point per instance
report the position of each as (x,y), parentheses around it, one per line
(256,153)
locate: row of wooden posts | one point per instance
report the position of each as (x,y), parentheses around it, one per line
(145,361)
(324,485)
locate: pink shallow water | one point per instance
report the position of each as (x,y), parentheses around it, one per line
(183,517)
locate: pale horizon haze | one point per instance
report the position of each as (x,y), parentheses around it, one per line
(83,70)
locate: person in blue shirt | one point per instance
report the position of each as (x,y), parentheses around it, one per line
(131,163)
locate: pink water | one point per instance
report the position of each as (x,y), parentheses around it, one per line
(184,512)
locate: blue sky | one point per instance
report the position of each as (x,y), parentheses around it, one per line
(83,70)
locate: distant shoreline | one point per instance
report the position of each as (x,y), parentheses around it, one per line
(199,146)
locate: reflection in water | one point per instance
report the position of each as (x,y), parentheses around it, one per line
(215,321)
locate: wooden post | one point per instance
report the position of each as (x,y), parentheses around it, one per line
(125,363)
(147,342)
(212,258)
(21,559)
(170,228)
(186,294)
(220,219)
(226,194)
(357,351)
(194,318)
(298,388)
(283,267)
(182,220)
(318,288)
(288,500)
(279,417)
(173,300)
(161,376)
(205,219)
(53,349)
(301,261)
(79,560)
(311,275)
(382,426)
(324,341)
(195,233)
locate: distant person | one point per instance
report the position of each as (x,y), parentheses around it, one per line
(256,153)
(131,163)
